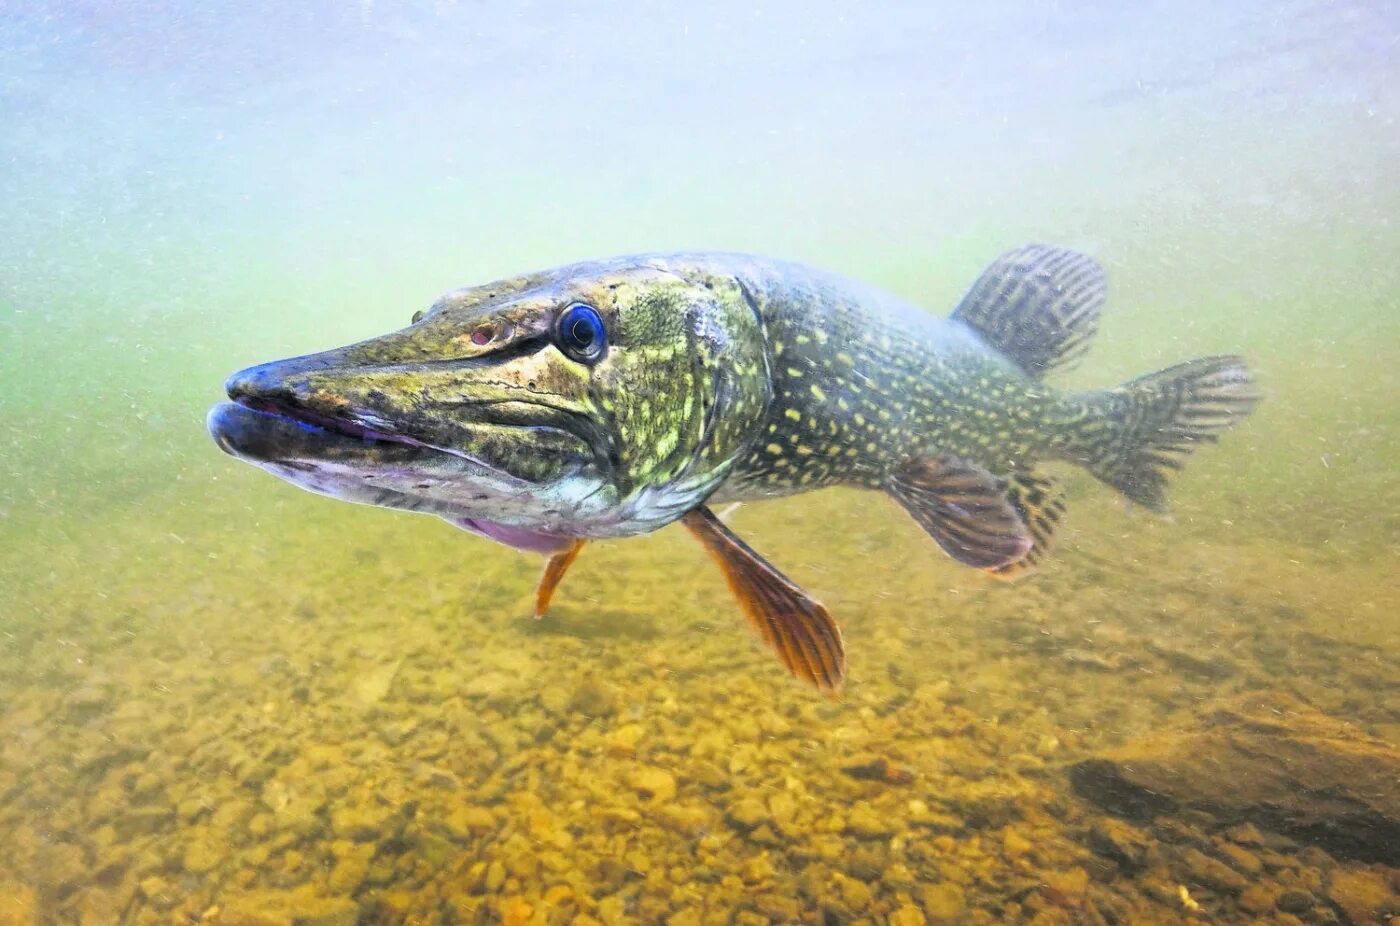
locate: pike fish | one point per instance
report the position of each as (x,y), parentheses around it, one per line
(610,398)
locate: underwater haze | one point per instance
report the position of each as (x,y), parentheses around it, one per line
(227,701)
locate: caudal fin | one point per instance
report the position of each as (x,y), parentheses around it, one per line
(1136,434)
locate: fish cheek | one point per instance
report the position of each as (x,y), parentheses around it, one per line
(652,405)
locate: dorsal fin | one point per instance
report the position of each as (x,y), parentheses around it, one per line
(1038,304)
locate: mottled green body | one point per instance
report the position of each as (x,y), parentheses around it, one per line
(722,376)
(862,382)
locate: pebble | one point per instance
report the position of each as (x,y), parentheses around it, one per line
(1203,870)
(944,902)
(864,823)
(1240,859)
(748,813)
(1363,895)
(653,784)
(907,916)
(1013,844)
(1296,901)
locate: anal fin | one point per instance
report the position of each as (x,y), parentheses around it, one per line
(795,625)
(553,574)
(1040,504)
(962,507)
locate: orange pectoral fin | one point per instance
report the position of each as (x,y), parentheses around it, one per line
(554,571)
(797,627)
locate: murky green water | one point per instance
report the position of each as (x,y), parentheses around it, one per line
(226,701)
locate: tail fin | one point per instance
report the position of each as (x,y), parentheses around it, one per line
(1138,432)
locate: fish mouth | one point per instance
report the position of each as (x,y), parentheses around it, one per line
(263,430)
(344,427)
(294,441)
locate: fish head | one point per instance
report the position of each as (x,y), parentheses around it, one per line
(601,399)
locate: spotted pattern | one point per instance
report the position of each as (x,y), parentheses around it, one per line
(861,384)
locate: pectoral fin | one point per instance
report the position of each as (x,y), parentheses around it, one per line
(797,627)
(964,508)
(554,571)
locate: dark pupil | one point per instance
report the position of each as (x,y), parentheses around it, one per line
(583,331)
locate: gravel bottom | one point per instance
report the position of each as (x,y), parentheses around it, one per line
(301,713)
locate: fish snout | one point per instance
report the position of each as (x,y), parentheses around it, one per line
(277,381)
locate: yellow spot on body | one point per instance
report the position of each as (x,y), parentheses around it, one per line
(803,339)
(817,393)
(794,414)
(774,449)
(846,358)
(794,372)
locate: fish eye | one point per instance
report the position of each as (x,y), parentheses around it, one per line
(417,317)
(580,333)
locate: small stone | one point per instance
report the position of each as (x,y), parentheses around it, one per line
(689,916)
(1069,884)
(907,916)
(594,698)
(1124,844)
(1013,844)
(612,910)
(1295,902)
(864,823)
(554,699)
(757,869)
(623,741)
(156,891)
(348,874)
(654,784)
(371,686)
(1246,834)
(362,821)
(1257,899)
(683,819)
(516,911)
(1203,870)
(783,808)
(495,876)
(1361,894)
(435,777)
(19,905)
(202,854)
(898,877)
(466,821)
(943,902)
(779,908)
(1240,859)
(855,894)
(747,814)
